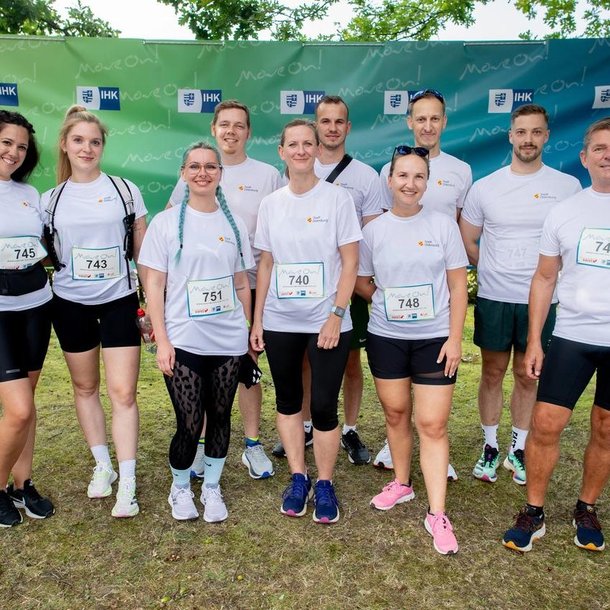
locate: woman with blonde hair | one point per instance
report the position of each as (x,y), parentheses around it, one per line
(95,226)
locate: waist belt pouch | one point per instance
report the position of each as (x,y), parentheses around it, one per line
(16,282)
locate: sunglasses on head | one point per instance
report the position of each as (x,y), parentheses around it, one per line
(427,92)
(403,149)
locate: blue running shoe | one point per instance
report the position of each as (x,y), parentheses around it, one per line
(589,534)
(296,495)
(326,503)
(527,528)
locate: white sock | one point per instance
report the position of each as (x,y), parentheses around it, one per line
(347,428)
(127,469)
(518,441)
(491,435)
(307,425)
(100,453)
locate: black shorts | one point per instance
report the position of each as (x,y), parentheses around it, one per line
(24,340)
(567,369)
(404,358)
(80,328)
(359,313)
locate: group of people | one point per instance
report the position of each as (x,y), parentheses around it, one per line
(246,260)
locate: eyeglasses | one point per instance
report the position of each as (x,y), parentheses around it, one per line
(425,93)
(209,168)
(403,149)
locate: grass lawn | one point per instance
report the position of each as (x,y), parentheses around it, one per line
(83,558)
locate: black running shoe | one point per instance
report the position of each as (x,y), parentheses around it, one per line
(9,515)
(279,451)
(527,528)
(357,453)
(31,501)
(589,534)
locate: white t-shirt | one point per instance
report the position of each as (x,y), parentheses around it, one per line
(303,233)
(511,208)
(89,222)
(578,230)
(202,312)
(361,182)
(409,258)
(244,186)
(21,222)
(449,181)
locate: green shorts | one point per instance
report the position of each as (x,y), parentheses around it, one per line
(500,326)
(359,312)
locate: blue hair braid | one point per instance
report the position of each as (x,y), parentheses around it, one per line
(181,223)
(227,212)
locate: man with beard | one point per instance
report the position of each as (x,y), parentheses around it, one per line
(506,210)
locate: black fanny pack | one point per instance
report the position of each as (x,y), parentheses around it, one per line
(16,282)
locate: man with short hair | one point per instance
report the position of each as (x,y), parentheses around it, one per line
(245,181)
(506,211)
(334,165)
(575,240)
(449,181)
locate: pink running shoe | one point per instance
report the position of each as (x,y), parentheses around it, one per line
(439,527)
(392,494)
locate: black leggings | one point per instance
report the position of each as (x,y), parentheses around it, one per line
(285,352)
(202,388)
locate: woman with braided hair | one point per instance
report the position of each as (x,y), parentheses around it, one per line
(196,256)
(25,318)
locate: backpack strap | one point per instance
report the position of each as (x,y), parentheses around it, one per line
(122,188)
(339,168)
(49,229)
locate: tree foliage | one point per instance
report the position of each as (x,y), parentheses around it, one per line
(40,18)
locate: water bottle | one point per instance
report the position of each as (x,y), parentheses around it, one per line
(146,330)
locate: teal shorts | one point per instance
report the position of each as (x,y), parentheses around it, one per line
(359,312)
(498,327)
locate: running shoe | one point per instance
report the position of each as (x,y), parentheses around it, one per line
(198,465)
(28,498)
(589,534)
(326,504)
(441,530)
(384,458)
(101,481)
(296,495)
(527,528)
(485,468)
(9,515)
(357,453)
(259,465)
(215,509)
(279,451)
(515,462)
(181,501)
(392,494)
(126,504)
(451,473)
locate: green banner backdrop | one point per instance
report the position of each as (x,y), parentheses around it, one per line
(156,97)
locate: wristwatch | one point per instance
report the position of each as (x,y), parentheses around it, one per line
(338,311)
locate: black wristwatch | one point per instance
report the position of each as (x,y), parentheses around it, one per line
(338,311)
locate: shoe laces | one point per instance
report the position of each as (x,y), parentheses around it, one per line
(30,490)
(297,487)
(213,495)
(440,522)
(519,455)
(325,495)
(490,454)
(525,521)
(587,519)
(182,495)
(257,450)
(354,440)
(126,489)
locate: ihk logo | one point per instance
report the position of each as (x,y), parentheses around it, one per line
(506,100)
(602,97)
(198,100)
(397,102)
(8,94)
(299,102)
(99,98)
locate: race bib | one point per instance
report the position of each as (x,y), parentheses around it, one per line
(20,252)
(91,264)
(517,254)
(594,248)
(300,280)
(409,303)
(210,297)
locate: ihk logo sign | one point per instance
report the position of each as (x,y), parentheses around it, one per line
(602,97)
(99,98)
(506,100)
(8,94)
(198,100)
(299,102)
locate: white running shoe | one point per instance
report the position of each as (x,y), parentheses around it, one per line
(126,503)
(451,473)
(197,468)
(215,507)
(101,481)
(259,465)
(181,501)
(384,458)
